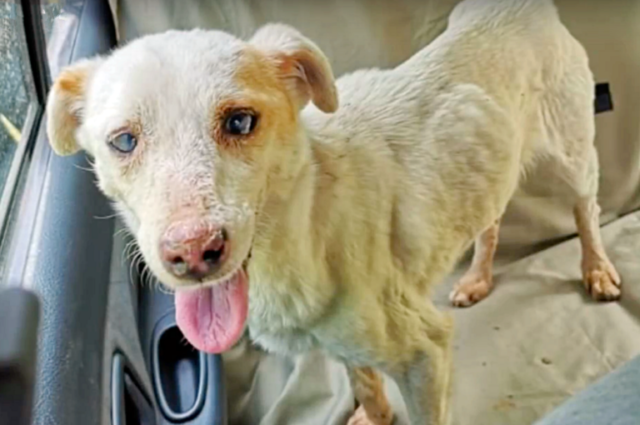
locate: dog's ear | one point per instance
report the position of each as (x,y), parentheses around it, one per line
(302,65)
(66,103)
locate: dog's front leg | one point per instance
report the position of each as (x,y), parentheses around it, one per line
(477,282)
(424,385)
(368,389)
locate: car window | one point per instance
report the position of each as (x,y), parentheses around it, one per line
(15,92)
(20,106)
(50,10)
(60,22)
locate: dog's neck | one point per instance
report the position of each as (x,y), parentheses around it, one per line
(290,285)
(290,199)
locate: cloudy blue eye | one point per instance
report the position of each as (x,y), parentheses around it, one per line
(240,123)
(125,143)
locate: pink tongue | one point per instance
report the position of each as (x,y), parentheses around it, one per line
(212,318)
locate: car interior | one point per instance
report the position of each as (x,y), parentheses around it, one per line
(108,338)
(88,336)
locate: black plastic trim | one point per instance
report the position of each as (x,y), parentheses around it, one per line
(19,163)
(36,47)
(19,317)
(603,100)
(63,252)
(123,380)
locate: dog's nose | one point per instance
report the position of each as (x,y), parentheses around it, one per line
(193,249)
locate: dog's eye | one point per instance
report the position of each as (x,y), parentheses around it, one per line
(124,143)
(240,123)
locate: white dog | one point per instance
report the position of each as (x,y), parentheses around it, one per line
(321,226)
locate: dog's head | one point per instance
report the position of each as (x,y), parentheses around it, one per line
(188,131)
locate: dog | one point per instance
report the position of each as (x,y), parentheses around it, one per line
(318,214)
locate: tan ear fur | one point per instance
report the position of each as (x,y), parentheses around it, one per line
(65,105)
(304,68)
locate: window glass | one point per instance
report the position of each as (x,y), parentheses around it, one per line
(60,22)
(20,120)
(50,10)
(15,91)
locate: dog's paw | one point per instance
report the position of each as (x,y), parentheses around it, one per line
(471,289)
(360,418)
(602,281)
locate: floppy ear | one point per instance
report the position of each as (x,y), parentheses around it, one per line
(302,65)
(66,103)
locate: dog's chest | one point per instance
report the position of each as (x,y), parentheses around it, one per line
(287,343)
(275,324)
(283,308)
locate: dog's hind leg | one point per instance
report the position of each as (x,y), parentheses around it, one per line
(571,126)
(477,282)
(580,171)
(368,389)
(599,276)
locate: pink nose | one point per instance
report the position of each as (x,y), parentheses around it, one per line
(193,248)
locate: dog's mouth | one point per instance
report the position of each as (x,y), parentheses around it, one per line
(212,318)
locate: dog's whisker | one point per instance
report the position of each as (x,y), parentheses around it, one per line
(105,217)
(185,342)
(147,275)
(134,263)
(164,289)
(123,231)
(79,167)
(130,250)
